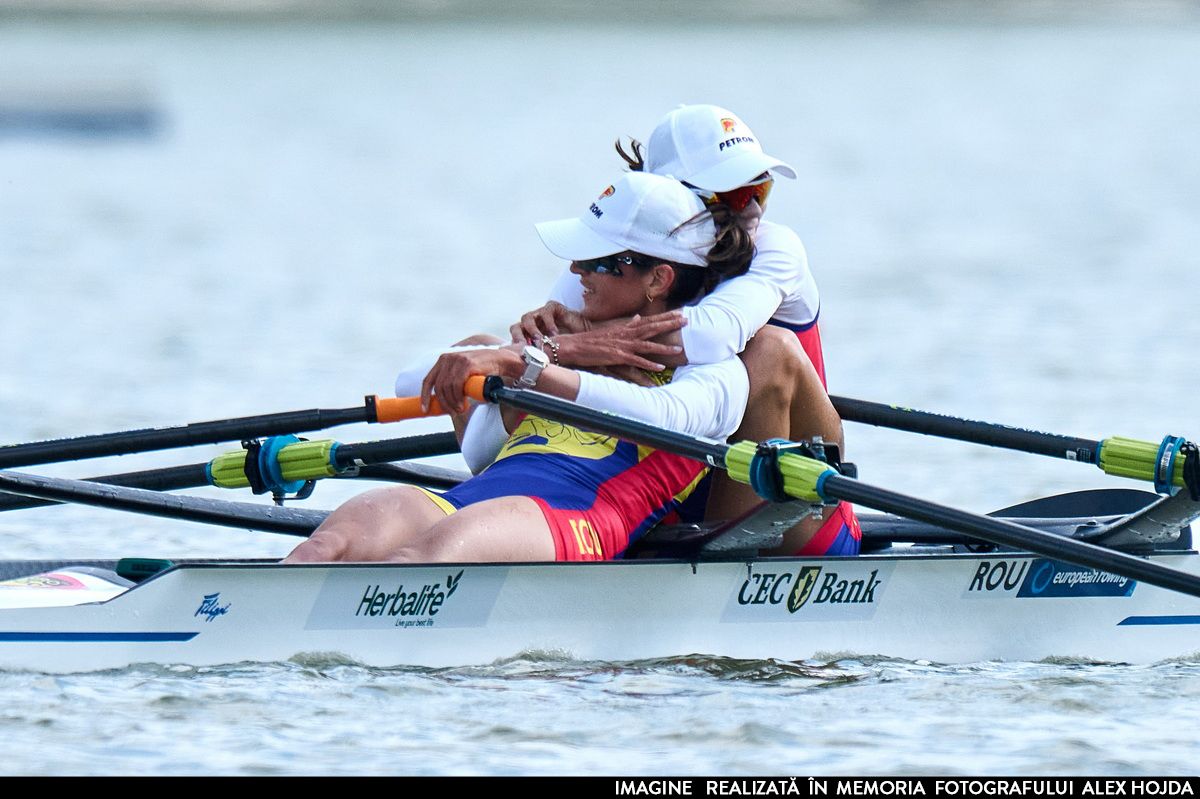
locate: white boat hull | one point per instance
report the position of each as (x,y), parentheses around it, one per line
(938,607)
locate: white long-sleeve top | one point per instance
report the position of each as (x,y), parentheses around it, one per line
(705,400)
(778,285)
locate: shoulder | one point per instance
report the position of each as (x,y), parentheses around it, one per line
(777,238)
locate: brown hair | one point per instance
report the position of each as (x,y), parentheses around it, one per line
(634,158)
(728,258)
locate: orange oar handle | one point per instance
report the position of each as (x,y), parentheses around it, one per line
(394,409)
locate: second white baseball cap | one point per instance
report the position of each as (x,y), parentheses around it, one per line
(710,148)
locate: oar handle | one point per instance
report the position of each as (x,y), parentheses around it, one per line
(395,409)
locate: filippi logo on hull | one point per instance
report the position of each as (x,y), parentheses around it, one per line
(1045,578)
(406,598)
(809,593)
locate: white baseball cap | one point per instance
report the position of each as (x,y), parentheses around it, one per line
(642,213)
(710,148)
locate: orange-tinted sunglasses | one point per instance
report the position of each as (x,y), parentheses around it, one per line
(737,199)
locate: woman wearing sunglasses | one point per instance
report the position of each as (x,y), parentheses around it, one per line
(556,492)
(763,315)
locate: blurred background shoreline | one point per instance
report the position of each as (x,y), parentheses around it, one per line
(623,12)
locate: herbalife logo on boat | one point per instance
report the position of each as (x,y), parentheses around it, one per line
(1042,577)
(413,607)
(809,593)
(408,597)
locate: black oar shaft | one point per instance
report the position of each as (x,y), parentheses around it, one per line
(701,449)
(996,435)
(837,487)
(156,438)
(269,518)
(397,449)
(1006,533)
(173,478)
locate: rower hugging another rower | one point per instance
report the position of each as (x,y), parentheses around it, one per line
(680,306)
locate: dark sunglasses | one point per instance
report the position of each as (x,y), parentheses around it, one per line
(610,264)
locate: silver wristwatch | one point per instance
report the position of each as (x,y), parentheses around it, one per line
(535,362)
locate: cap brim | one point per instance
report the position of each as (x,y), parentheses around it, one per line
(573,240)
(734,172)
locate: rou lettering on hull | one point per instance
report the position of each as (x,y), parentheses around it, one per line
(1045,578)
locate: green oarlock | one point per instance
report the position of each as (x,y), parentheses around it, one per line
(304,460)
(1128,457)
(802,476)
(307,460)
(737,460)
(228,470)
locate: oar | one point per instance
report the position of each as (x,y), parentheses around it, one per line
(243,515)
(373,409)
(1161,462)
(344,456)
(814,481)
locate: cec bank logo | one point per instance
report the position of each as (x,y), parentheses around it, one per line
(837,590)
(802,590)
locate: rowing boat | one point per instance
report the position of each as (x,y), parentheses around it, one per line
(944,600)
(1105,575)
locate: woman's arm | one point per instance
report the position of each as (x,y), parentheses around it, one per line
(719,326)
(716,328)
(703,400)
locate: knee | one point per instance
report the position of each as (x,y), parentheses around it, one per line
(775,363)
(323,546)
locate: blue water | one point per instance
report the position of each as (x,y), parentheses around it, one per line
(1002,217)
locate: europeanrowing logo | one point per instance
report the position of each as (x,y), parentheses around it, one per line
(728,124)
(1042,577)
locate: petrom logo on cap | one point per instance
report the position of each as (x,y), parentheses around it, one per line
(728,124)
(595,209)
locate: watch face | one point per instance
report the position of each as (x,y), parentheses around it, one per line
(534,355)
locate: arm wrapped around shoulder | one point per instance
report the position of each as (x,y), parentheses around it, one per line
(706,400)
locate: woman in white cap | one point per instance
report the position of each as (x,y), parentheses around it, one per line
(556,492)
(763,315)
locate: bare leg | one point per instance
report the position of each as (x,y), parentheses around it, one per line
(370,526)
(787,400)
(493,531)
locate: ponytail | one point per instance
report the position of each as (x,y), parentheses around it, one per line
(634,158)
